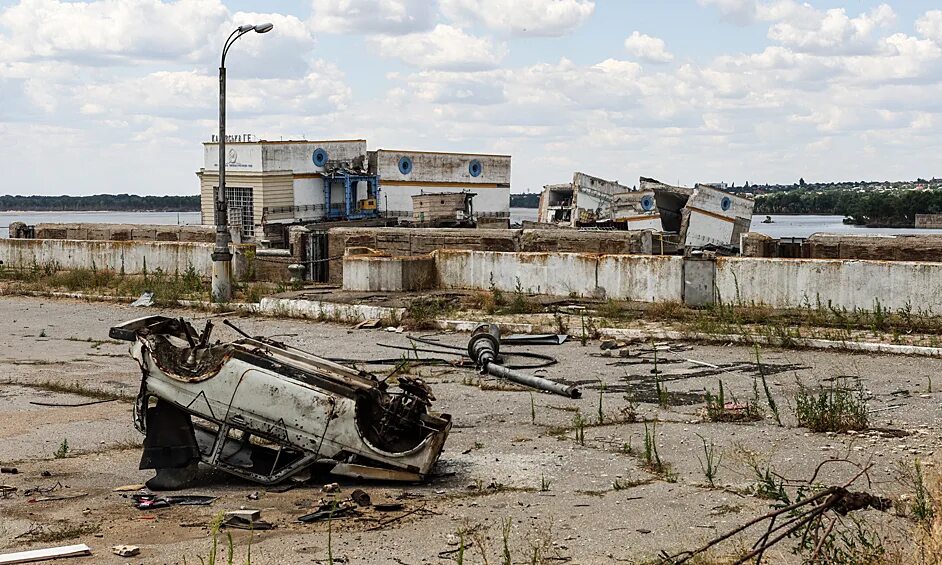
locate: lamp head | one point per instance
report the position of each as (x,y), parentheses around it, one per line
(245,28)
(263,28)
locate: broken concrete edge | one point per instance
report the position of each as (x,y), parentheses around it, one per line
(809,343)
(353,313)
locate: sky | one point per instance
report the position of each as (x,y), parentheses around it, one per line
(116,96)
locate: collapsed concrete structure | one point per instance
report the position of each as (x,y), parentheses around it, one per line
(701,216)
(592,201)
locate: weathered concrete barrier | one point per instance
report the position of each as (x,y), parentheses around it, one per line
(625,277)
(784,283)
(388,274)
(126,232)
(421,241)
(129,257)
(696,281)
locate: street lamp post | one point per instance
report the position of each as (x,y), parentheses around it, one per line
(222,256)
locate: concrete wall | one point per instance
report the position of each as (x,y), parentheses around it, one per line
(624,277)
(877,247)
(129,257)
(929,221)
(696,281)
(784,283)
(125,232)
(388,274)
(422,241)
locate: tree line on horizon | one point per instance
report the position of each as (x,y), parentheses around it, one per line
(100,202)
(874,208)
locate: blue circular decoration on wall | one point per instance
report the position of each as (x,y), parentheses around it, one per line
(405,165)
(319,157)
(647,203)
(475,168)
(726,203)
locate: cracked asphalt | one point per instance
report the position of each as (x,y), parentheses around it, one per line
(512,455)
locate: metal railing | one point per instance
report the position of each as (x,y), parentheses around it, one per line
(383,213)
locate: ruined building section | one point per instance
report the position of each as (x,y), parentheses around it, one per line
(702,215)
(556,205)
(635,210)
(262,410)
(592,198)
(594,202)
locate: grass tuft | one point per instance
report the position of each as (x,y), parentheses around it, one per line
(831,409)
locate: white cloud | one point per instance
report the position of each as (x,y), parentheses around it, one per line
(371,16)
(930,25)
(191,95)
(108,31)
(647,48)
(116,33)
(831,82)
(830,31)
(547,18)
(443,48)
(738,11)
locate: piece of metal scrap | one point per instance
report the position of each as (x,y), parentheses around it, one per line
(264,411)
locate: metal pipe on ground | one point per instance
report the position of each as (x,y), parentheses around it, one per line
(484,350)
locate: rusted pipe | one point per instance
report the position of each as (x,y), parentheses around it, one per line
(484,350)
(532,381)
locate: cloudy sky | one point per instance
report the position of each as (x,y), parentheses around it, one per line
(117,95)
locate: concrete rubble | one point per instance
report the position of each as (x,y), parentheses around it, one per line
(701,216)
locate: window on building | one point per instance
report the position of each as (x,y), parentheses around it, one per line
(241,211)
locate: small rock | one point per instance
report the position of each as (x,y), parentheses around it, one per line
(125,550)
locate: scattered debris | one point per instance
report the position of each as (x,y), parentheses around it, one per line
(330,487)
(806,515)
(128,488)
(146,299)
(45,554)
(368,325)
(76,405)
(125,550)
(10,470)
(250,515)
(330,510)
(247,386)
(388,506)
(534,339)
(58,497)
(484,350)
(245,520)
(152,501)
(360,497)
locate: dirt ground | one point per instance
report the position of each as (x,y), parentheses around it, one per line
(512,457)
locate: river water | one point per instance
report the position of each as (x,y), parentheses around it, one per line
(781,226)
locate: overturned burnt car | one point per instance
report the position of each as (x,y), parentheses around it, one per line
(265,411)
